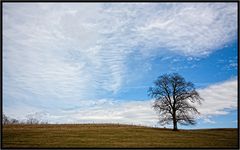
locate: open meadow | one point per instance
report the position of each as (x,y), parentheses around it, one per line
(114,136)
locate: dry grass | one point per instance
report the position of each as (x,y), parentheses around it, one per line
(114,136)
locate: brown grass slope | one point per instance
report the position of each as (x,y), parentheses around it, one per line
(114,136)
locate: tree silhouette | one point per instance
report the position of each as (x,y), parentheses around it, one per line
(174,98)
(5,119)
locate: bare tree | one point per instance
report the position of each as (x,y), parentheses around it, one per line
(5,119)
(14,121)
(32,120)
(36,118)
(174,98)
(43,122)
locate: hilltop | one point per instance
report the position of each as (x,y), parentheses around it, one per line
(114,136)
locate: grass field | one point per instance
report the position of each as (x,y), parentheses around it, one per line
(114,136)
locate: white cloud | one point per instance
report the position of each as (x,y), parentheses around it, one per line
(135,112)
(97,111)
(192,29)
(218,98)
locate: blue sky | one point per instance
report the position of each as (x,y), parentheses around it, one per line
(94,62)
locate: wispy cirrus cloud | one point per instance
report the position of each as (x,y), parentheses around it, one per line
(49,45)
(192,29)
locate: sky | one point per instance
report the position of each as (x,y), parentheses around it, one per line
(94,62)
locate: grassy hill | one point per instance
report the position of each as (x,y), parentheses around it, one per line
(114,136)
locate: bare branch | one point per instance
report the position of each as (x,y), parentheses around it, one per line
(173,100)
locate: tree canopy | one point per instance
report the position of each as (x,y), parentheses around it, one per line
(174,98)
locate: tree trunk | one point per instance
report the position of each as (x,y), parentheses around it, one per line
(174,121)
(175,125)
